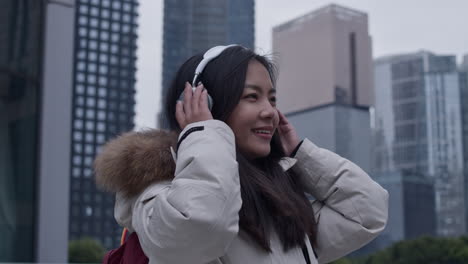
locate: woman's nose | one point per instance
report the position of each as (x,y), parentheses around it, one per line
(268,111)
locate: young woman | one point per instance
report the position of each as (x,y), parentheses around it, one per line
(236,192)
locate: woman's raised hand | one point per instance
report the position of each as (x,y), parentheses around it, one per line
(194,108)
(288,135)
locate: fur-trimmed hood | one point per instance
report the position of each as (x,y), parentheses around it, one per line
(135,160)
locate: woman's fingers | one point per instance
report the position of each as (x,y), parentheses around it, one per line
(282,118)
(194,108)
(188,94)
(204,101)
(196,99)
(180,115)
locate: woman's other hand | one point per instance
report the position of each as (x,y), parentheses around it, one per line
(194,108)
(287,133)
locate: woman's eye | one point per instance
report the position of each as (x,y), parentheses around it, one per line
(251,96)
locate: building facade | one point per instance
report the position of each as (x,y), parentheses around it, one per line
(193,26)
(325,57)
(103,107)
(332,126)
(36,45)
(418,128)
(463,77)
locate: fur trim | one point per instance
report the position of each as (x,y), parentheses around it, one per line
(135,160)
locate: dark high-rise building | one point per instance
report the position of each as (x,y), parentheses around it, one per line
(463,76)
(103,107)
(36,46)
(411,199)
(192,26)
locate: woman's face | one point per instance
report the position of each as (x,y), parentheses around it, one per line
(255,118)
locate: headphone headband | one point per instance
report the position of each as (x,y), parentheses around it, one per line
(209,55)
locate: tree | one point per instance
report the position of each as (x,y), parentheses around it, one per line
(427,250)
(85,250)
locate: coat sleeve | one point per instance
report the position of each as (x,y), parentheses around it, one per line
(350,208)
(195,218)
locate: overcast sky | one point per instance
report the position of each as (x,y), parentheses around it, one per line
(396,26)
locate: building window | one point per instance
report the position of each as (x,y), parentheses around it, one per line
(89,137)
(105,25)
(88,161)
(103,81)
(77,135)
(92,45)
(89,149)
(76,172)
(114,49)
(92,56)
(127,7)
(90,102)
(83,9)
(87,172)
(100,139)
(83,32)
(77,160)
(115,37)
(103,47)
(80,89)
(90,114)
(94,11)
(102,92)
(78,124)
(104,36)
(103,59)
(78,148)
(102,103)
(116,5)
(102,69)
(81,66)
(91,78)
(83,20)
(80,77)
(116,15)
(93,33)
(91,90)
(81,55)
(92,67)
(101,127)
(105,13)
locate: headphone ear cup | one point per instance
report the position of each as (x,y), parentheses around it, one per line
(210,100)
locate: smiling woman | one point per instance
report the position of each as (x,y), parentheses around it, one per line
(234,189)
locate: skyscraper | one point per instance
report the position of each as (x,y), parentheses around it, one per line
(463,75)
(418,128)
(325,57)
(36,45)
(325,84)
(103,107)
(192,26)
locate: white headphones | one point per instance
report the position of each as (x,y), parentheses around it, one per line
(209,55)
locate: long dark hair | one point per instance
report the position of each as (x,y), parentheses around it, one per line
(272,199)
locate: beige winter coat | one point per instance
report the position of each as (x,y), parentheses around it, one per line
(193,218)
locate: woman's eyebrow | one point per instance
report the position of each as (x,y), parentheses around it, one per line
(258,89)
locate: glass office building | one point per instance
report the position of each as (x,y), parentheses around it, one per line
(20,97)
(463,76)
(103,107)
(192,26)
(418,128)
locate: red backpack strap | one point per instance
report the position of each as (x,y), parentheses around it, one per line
(123,238)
